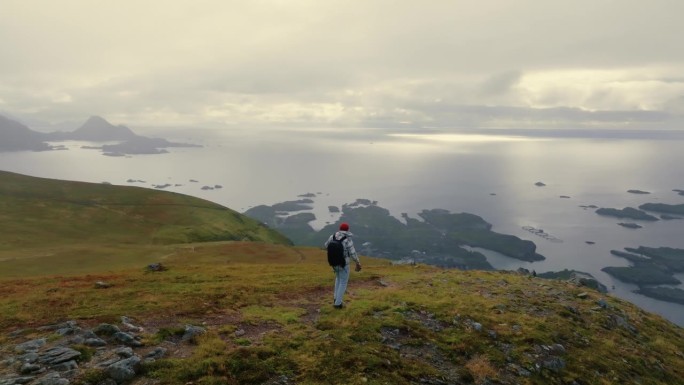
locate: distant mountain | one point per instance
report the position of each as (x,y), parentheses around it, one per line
(15,136)
(96,129)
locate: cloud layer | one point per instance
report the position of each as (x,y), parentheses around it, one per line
(450,64)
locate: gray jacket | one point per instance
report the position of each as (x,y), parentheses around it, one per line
(349,251)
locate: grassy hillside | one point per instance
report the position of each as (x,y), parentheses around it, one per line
(262,311)
(268,319)
(50,224)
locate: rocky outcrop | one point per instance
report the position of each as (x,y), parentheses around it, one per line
(116,355)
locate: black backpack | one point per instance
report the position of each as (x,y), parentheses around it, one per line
(336,252)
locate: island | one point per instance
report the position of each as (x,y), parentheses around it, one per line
(638,192)
(627,212)
(668,294)
(664,208)
(540,184)
(437,239)
(143,145)
(651,267)
(630,225)
(642,275)
(15,136)
(679,191)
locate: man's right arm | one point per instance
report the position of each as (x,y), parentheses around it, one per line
(325,245)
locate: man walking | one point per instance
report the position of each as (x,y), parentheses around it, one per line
(340,250)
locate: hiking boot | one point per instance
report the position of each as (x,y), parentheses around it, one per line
(340,306)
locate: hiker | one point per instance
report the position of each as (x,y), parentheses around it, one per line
(340,250)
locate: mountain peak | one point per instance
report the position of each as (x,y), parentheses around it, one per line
(94,119)
(97,128)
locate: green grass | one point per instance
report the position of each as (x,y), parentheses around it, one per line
(60,227)
(292,330)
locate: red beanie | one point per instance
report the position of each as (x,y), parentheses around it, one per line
(344,226)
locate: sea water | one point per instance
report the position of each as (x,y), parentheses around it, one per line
(492,176)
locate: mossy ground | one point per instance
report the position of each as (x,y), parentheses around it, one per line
(267,309)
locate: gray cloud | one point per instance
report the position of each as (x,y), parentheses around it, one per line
(501,83)
(346,63)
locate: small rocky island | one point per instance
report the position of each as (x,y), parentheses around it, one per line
(651,268)
(640,192)
(664,208)
(627,212)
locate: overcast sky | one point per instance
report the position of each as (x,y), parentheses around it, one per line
(329,63)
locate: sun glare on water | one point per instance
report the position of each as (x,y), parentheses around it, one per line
(461,138)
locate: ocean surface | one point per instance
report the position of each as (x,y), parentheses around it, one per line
(492,176)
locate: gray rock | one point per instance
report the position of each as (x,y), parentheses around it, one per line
(124,370)
(128,325)
(583,295)
(16,380)
(602,303)
(124,352)
(8,362)
(89,334)
(16,333)
(240,332)
(102,285)
(557,349)
(618,321)
(157,353)
(555,364)
(28,368)
(67,328)
(156,267)
(192,331)
(65,366)
(572,309)
(127,339)
(77,340)
(477,326)
(520,371)
(66,331)
(107,363)
(57,355)
(95,342)
(106,329)
(28,346)
(53,379)
(29,357)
